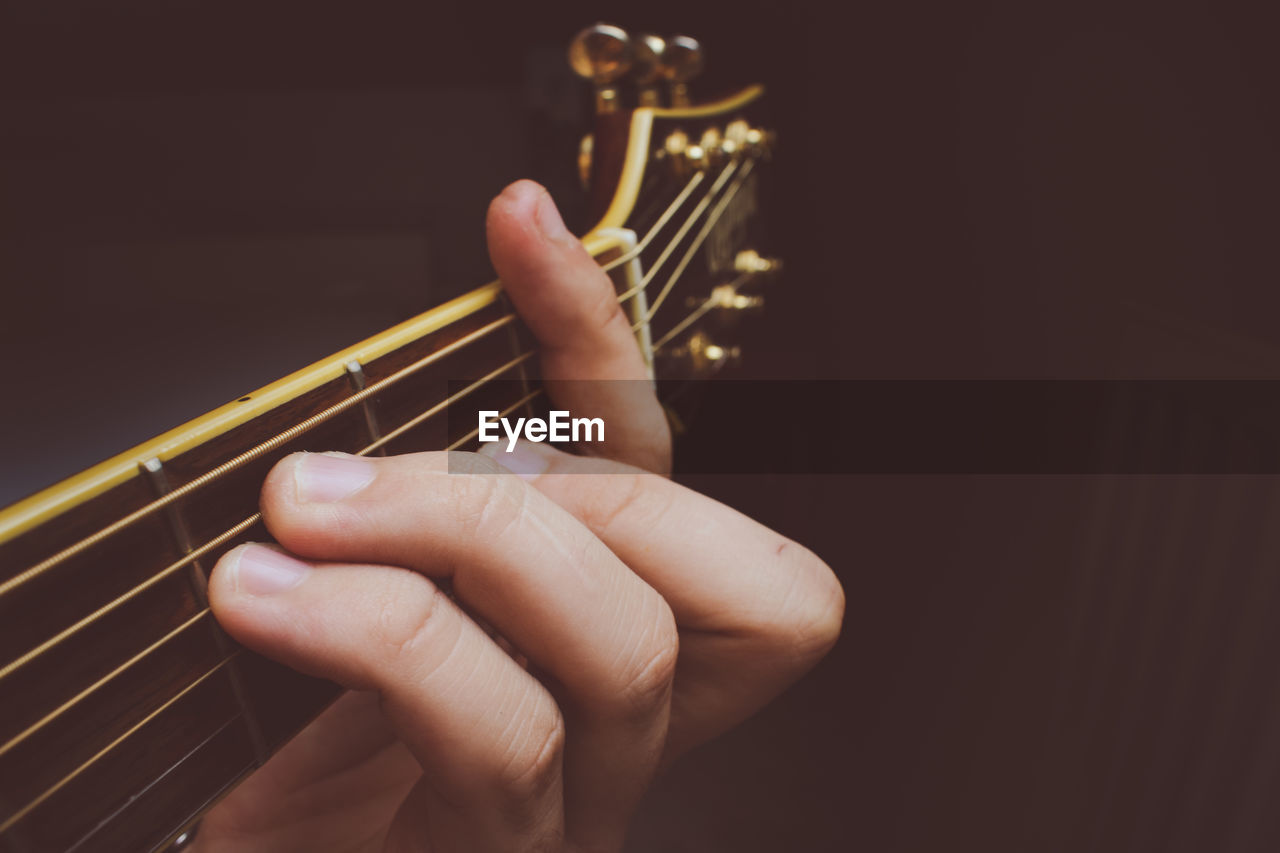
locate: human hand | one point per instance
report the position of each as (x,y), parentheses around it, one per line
(630,618)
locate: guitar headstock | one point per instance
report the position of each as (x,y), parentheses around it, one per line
(674,187)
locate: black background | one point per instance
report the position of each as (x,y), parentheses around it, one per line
(197,197)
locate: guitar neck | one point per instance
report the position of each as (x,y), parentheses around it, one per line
(137,711)
(124,710)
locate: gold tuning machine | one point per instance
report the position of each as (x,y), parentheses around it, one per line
(751,261)
(681,61)
(602,54)
(706,356)
(647,68)
(700,356)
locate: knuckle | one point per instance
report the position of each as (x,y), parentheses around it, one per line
(406,620)
(645,684)
(488,507)
(530,768)
(622,495)
(472,463)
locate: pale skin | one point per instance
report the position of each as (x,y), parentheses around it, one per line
(598,627)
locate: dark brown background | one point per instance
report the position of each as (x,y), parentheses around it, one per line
(197,197)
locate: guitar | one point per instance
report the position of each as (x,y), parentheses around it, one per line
(125,711)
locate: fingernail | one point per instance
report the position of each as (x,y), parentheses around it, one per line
(548,219)
(265,571)
(523,461)
(331,477)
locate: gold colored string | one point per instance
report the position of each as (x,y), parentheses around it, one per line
(208,546)
(659,224)
(60,784)
(719,210)
(256,452)
(720,181)
(344,404)
(251,454)
(75,700)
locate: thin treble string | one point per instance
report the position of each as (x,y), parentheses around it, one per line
(320,417)
(231,534)
(221,539)
(693,316)
(85,693)
(251,454)
(508,410)
(60,784)
(249,522)
(443,404)
(675,241)
(659,224)
(720,208)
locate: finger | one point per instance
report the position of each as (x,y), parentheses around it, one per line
(755,609)
(571,307)
(605,640)
(487,735)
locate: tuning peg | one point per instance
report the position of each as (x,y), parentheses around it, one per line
(750,261)
(681,62)
(699,356)
(646,68)
(602,54)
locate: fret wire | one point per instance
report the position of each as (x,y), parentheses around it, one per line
(215,542)
(65,780)
(517,404)
(231,533)
(703,232)
(438,407)
(359,397)
(293,432)
(75,700)
(659,224)
(203,549)
(297,430)
(249,455)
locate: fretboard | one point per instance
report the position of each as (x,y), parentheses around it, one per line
(126,711)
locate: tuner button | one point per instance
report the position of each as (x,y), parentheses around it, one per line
(602,54)
(646,68)
(681,62)
(727,296)
(750,261)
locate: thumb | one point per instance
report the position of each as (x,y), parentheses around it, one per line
(589,357)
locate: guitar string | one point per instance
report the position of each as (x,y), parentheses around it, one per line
(720,181)
(235,531)
(693,316)
(239,528)
(219,540)
(721,206)
(60,784)
(328,413)
(658,225)
(83,694)
(251,520)
(443,404)
(225,537)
